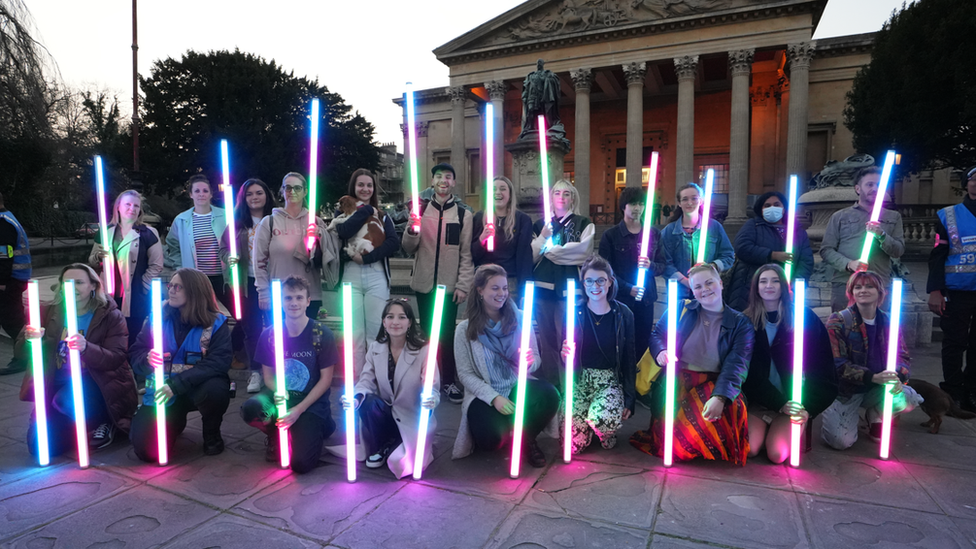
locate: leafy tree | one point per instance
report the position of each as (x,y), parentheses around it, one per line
(193,102)
(918,93)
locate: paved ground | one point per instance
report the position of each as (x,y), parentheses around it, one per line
(923,497)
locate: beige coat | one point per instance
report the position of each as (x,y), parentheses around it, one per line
(127,257)
(403,398)
(442,249)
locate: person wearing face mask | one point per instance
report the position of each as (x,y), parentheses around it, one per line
(762,240)
(512,230)
(845,233)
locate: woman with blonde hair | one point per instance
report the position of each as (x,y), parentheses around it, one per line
(108,387)
(512,231)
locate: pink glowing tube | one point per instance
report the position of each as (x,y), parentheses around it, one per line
(429,370)
(232,229)
(672,370)
(889,164)
(74,361)
(523,374)
(646,235)
(108,267)
(313,170)
(703,235)
(37,369)
(896,290)
(158,374)
(490,170)
(280,386)
(350,387)
(799,300)
(570,358)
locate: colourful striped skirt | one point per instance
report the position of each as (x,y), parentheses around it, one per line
(726,439)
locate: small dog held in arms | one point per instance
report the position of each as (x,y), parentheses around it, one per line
(937,404)
(369,237)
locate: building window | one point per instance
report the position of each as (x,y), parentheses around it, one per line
(717,162)
(474,168)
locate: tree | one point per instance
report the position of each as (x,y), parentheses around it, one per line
(194,102)
(918,93)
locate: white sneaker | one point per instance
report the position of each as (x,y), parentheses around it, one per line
(254,383)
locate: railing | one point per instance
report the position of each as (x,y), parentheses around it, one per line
(919,221)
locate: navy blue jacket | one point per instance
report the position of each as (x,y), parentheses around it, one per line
(621,248)
(515,256)
(753,245)
(386,250)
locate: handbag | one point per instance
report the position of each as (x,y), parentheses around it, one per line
(648,369)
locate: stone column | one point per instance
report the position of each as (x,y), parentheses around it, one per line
(634,74)
(799,56)
(582,81)
(686,68)
(496,92)
(459,157)
(740,65)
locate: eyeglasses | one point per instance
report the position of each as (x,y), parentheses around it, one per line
(174,287)
(601,282)
(294,189)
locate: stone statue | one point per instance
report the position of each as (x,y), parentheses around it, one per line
(840,173)
(540,95)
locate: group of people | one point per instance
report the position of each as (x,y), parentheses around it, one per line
(734,369)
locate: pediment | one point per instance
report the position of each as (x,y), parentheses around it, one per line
(553,20)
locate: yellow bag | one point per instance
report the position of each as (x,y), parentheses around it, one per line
(647,367)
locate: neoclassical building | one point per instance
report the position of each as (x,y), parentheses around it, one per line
(739,86)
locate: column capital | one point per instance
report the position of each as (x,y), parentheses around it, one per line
(686,68)
(635,72)
(459,94)
(740,61)
(496,90)
(582,79)
(800,54)
(421,129)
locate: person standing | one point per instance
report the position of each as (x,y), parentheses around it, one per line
(193,239)
(681,239)
(512,230)
(442,255)
(845,233)
(952,294)
(15,271)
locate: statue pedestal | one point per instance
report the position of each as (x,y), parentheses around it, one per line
(527,172)
(820,204)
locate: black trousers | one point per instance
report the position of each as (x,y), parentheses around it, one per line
(959,339)
(491,429)
(643,320)
(445,352)
(247,331)
(379,428)
(306,435)
(211,398)
(12,317)
(61,416)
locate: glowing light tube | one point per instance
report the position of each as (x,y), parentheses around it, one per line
(280,387)
(707,210)
(490,170)
(672,369)
(544,159)
(412,161)
(158,377)
(429,369)
(37,369)
(646,235)
(889,163)
(313,170)
(896,289)
(791,224)
(570,358)
(74,361)
(108,266)
(799,300)
(350,388)
(523,374)
(235,280)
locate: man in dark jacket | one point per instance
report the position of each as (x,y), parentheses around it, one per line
(15,271)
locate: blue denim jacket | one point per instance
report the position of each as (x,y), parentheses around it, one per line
(679,250)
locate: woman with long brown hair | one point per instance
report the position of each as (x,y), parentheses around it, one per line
(512,231)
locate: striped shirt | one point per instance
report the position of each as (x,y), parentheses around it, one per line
(208,250)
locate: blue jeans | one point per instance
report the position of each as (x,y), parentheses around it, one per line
(61,416)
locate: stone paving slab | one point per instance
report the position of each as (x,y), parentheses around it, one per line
(321,504)
(51,494)
(911,423)
(757,472)
(485,474)
(141,517)
(664,542)
(863,479)
(16,463)
(618,495)
(527,528)
(723,512)
(955,493)
(420,516)
(834,523)
(967,528)
(942,450)
(121,459)
(232,532)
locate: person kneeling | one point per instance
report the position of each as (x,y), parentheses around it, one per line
(310,356)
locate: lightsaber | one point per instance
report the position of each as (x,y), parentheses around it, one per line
(280,387)
(791,224)
(158,373)
(570,358)
(896,287)
(799,301)
(523,373)
(313,170)
(490,171)
(706,210)
(412,141)
(347,345)
(109,265)
(37,369)
(672,368)
(646,236)
(544,158)
(429,369)
(889,163)
(235,279)
(74,361)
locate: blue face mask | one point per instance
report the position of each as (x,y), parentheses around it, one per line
(772,214)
